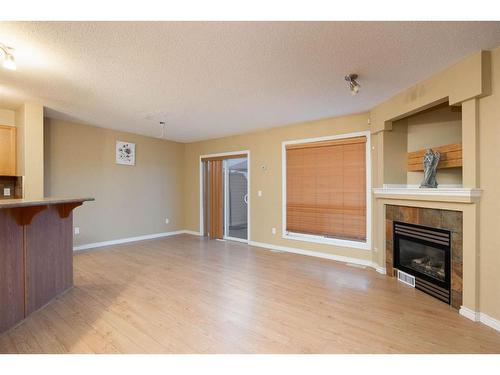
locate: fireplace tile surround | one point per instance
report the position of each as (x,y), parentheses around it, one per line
(436,218)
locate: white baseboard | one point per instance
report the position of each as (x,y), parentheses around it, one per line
(133,239)
(192,232)
(338,258)
(489,321)
(480,317)
(469,314)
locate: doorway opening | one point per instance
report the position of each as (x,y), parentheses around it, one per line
(224,193)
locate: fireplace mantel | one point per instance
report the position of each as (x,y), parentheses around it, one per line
(440,194)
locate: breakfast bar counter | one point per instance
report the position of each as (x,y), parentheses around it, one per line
(36,254)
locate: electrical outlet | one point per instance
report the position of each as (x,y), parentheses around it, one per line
(273,231)
(167,220)
(6,192)
(259,193)
(77,230)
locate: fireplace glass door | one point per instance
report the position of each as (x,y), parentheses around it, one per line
(422,258)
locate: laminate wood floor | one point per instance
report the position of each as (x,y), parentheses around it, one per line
(186,294)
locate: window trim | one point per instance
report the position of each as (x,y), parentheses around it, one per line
(365,245)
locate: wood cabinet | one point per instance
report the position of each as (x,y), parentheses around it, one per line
(7,150)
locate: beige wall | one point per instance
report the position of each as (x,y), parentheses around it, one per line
(29,121)
(130,200)
(265,175)
(469,78)
(489,180)
(7,117)
(434,128)
(395,153)
(19,122)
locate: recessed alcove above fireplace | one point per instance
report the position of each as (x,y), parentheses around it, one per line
(433,249)
(439,127)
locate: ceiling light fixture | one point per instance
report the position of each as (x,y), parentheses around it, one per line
(8,62)
(354,86)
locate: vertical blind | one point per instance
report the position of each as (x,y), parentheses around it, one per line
(326,188)
(213,198)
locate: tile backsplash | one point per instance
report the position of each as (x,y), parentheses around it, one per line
(15,184)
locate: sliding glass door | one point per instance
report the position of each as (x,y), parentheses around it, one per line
(224,184)
(236,199)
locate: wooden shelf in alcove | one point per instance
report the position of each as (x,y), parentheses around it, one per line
(451,157)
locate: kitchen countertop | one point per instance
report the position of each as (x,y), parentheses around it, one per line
(13,203)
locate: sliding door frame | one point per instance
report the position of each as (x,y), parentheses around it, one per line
(201,204)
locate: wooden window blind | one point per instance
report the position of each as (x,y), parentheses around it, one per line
(326,188)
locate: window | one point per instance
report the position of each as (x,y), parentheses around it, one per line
(326,185)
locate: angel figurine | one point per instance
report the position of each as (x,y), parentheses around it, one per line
(431,160)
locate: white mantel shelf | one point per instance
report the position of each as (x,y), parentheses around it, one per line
(440,194)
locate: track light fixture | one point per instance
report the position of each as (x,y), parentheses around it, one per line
(354,86)
(8,61)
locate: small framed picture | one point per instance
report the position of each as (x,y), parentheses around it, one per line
(125,153)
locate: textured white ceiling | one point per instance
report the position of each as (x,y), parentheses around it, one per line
(211,79)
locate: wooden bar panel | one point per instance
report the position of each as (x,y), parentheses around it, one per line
(36,255)
(49,257)
(11,271)
(451,157)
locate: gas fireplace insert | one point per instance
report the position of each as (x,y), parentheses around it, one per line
(425,253)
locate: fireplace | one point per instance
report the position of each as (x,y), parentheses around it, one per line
(438,222)
(425,253)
